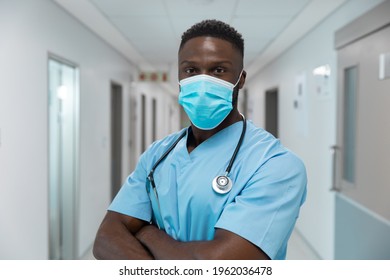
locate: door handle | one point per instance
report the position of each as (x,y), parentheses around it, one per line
(334,187)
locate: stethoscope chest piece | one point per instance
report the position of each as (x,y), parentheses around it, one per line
(222,184)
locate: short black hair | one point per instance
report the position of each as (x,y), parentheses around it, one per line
(217,29)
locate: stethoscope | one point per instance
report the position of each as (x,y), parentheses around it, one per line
(221,184)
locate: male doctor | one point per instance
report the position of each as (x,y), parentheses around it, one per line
(219,189)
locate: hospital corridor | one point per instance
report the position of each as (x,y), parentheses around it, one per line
(87,86)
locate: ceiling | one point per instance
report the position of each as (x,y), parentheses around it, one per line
(148,32)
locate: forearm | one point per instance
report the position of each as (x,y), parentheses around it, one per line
(162,246)
(115,241)
(225,245)
(119,248)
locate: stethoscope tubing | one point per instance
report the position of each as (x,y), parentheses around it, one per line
(218,189)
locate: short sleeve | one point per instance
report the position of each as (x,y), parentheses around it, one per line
(266,210)
(132,199)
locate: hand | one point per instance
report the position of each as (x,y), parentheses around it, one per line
(146,233)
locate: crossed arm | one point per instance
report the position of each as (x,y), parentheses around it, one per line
(124,237)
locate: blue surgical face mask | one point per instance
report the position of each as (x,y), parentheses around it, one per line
(206,100)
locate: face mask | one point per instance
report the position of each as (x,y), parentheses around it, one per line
(206,100)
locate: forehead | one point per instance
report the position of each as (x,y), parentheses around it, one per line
(209,48)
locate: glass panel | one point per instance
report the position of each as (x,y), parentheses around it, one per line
(349,125)
(54,140)
(63,126)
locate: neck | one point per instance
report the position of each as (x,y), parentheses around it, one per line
(199,135)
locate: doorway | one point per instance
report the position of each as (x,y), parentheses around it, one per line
(116,138)
(63,95)
(143,123)
(154,119)
(271,111)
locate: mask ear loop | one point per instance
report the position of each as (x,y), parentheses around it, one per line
(235,92)
(239,78)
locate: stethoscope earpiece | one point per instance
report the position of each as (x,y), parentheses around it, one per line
(222,184)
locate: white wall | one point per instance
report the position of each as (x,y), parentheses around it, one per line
(29,31)
(312,134)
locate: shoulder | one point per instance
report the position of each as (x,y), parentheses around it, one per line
(262,144)
(269,151)
(166,142)
(159,147)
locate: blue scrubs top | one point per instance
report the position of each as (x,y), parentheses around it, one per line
(269,186)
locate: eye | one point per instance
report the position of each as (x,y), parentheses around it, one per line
(189,70)
(219,70)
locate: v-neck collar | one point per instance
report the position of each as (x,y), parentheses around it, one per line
(216,137)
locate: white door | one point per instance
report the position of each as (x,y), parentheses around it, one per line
(362,229)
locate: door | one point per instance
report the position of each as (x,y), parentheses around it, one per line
(63,158)
(362,182)
(116,138)
(271,111)
(154,119)
(143,123)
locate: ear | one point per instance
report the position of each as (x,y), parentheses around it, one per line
(241,83)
